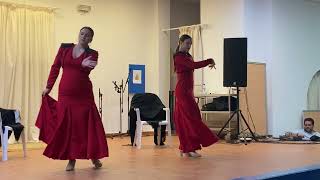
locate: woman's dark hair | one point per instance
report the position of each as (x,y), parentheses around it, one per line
(88,28)
(182,39)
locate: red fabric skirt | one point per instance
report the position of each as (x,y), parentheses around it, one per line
(72,129)
(192,132)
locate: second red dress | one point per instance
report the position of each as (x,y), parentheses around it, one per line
(192,132)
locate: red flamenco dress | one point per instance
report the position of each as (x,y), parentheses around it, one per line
(192,132)
(71,126)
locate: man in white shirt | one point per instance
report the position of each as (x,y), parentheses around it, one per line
(307,132)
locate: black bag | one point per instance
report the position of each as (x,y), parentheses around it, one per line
(221,104)
(315,138)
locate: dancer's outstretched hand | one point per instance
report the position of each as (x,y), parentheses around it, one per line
(213,64)
(89,63)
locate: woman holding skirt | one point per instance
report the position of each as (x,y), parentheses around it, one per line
(71,126)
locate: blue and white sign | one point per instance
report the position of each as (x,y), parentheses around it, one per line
(136,78)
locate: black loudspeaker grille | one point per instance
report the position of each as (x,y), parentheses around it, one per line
(235,62)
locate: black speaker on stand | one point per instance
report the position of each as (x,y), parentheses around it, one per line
(235,75)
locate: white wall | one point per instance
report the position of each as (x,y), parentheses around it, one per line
(126,32)
(224,18)
(284,35)
(258,30)
(295,59)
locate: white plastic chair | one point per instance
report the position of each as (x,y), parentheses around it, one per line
(4,137)
(138,133)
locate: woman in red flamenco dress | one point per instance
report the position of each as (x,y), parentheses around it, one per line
(192,132)
(71,126)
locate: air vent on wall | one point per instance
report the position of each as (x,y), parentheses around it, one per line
(83,9)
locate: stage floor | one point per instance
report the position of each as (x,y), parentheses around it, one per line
(220,161)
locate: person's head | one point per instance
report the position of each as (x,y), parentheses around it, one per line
(185,42)
(308,125)
(85,35)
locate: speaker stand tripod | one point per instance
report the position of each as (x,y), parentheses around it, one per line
(239,115)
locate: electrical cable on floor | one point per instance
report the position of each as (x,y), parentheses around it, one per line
(248,110)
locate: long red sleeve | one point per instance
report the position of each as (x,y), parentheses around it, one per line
(184,63)
(55,68)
